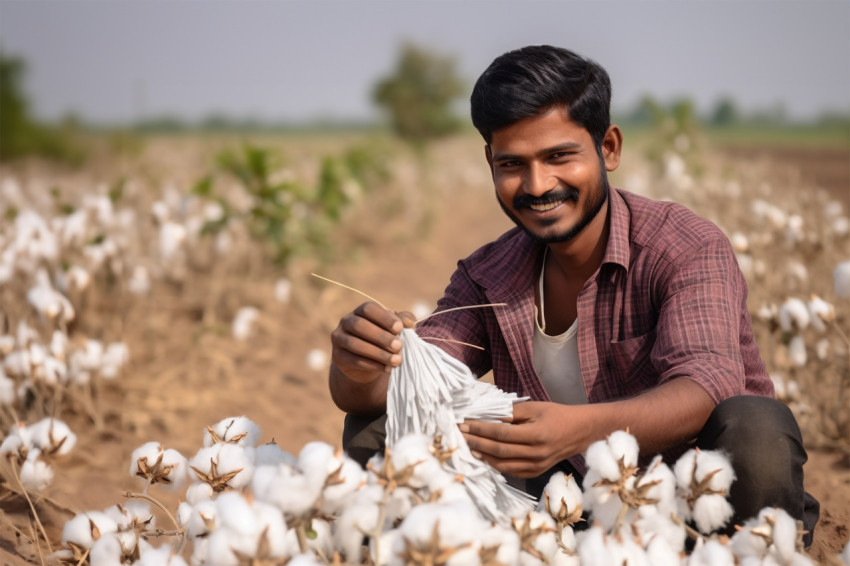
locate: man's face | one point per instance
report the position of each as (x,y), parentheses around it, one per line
(549,178)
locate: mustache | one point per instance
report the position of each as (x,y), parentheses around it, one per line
(557,195)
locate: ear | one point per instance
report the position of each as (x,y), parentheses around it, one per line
(612,145)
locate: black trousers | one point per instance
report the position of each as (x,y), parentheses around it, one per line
(759,434)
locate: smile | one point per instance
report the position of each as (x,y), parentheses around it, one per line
(545,206)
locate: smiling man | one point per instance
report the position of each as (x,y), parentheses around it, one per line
(621,312)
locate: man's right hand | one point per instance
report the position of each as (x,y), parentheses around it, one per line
(365,348)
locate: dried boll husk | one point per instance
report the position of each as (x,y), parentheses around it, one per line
(153,463)
(233,430)
(36,474)
(224,465)
(52,436)
(562,498)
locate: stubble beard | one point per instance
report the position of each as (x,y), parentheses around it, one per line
(589,211)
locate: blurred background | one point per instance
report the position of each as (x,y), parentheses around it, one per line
(172,172)
(265,65)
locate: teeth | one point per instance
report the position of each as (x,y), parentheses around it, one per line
(544,207)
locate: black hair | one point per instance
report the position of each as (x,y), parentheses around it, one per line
(525,82)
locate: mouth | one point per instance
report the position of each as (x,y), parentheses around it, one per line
(544,206)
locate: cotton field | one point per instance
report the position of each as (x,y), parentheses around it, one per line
(148,298)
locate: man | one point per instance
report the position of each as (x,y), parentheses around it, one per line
(622,312)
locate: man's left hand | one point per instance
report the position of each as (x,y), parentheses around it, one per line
(540,435)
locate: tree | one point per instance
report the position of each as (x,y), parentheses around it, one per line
(725,112)
(419,94)
(16,129)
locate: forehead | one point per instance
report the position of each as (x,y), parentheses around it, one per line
(549,129)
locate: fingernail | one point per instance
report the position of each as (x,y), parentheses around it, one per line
(463,427)
(395,360)
(396,345)
(476,453)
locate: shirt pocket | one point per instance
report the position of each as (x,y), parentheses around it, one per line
(629,364)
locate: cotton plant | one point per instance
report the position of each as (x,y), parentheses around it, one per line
(771,537)
(34,449)
(703,479)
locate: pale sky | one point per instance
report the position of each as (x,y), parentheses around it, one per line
(117,60)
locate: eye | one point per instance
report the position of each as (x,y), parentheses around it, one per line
(509,164)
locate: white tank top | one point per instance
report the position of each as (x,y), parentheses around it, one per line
(556,358)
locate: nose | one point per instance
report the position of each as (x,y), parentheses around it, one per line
(539,180)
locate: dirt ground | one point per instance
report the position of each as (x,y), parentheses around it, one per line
(187,372)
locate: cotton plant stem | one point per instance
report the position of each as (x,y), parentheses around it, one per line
(454,342)
(32,507)
(691,532)
(302,537)
(461,308)
(83,558)
(146,497)
(38,548)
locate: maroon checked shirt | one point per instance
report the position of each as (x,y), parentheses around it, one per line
(668,301)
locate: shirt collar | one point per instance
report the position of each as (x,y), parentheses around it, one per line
(619,219)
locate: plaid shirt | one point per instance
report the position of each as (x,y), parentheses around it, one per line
(668,301)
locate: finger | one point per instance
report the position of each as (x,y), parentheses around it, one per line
(362,351)
(380,316)
(407,319)
(501,450)
(360,328)
(504,432)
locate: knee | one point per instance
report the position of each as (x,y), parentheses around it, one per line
(760,435)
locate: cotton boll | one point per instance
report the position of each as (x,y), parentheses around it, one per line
(711,512)
(342,484)
(233,430)
(198,491)
(710,553)
(797,351)
(600,459)
(132,514)
(603,504)
(841,275)
(223,545)
(162,556)
(287,489)
(115,357)
(271,454)
(243,323)
(283,290)
(658,526)
(7,389)
(83,529)
(793,315)
(223,465)
(592,547)
(317,360)
(504,540)
(740,243)
(624,446)
(562,496)
(306,559)
(745,543)
(171,238)
(317,460)
(139,282)
(201,519)
(821,349)
(53,436)
(350,526)
(822,313)
(784,535)
(36,474)
(413,451)
(545,543)
(663,491)
(717,463)
(107,551)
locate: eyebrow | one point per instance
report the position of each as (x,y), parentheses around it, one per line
(567,146)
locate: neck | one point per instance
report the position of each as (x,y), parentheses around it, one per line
(581,257)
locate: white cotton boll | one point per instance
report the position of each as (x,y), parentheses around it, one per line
(7,390)
(317,460)
(139,282)
(283,290)
(317,360)
(114,358)
(784,535)
(624,446)
(713,461)
(664,490)
(198,491)
(131,514)
(563,495)
(162,556)
(421,309)
(18,363)
(171,238)
(213,211)
(202,519)
(710,553)
(747,265)
(845,554)
(160,211)
(53,436)
(306,559)
(228,459)
(794,229)
(740,243)
(347,480)
(286,488)
(822,349)
(796,272)
(7,344)
(243,323)
(81,529)
(779,387)
(271,454)
(592,547)
(222,546)
(235,513)
(58,344)
(797,351)
(107,551)
(822,313)
(26,334)
(793,315)
(36,474)
(711,512)
(841,226)
(223,243)
(147,453)
(233,430)
(546,543)
(272,526)
(600,459)
(505,539)
(841,275)
(414,450)
(50,304)
(350,526)
(658,526)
